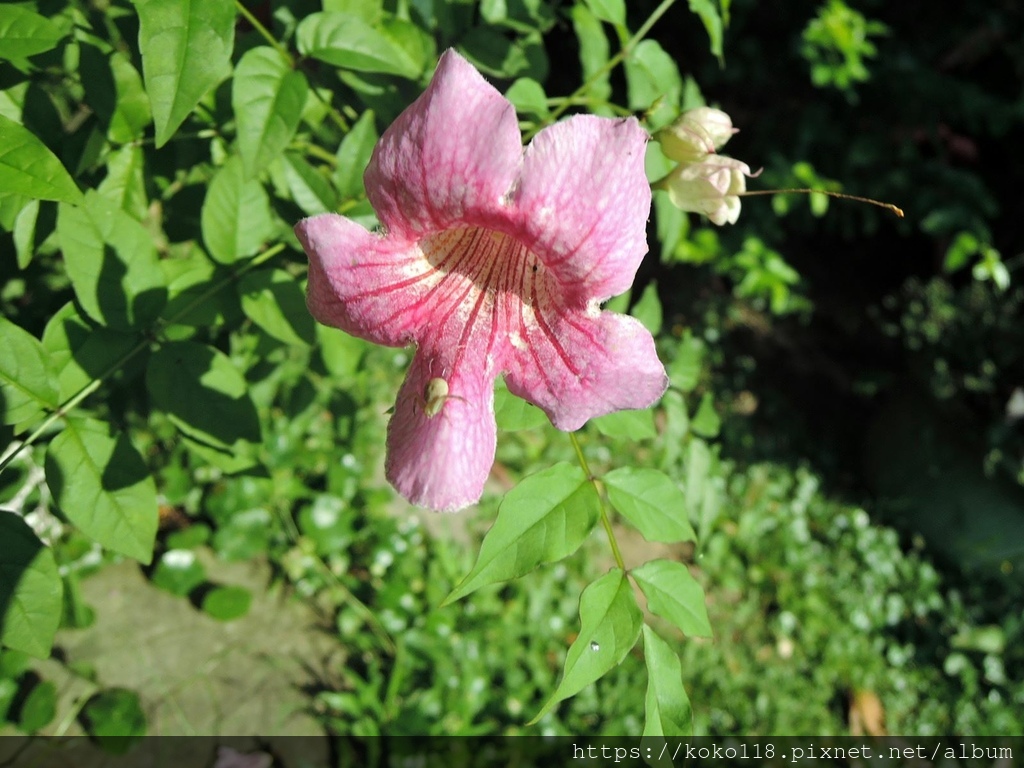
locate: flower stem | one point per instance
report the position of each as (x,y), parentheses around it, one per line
(75,400)
(605,519)
(613,62)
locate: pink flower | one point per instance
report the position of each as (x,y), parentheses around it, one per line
(492,260)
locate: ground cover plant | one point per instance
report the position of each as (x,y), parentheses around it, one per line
(542,294)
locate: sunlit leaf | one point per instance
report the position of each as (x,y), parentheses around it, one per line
(651,501)
(28,381)
(24,33)
(267,96)
(354,155)
(348,42)
(674,594)
(236,217)
(610,622)
(668,711)
(102,485)
(543,519)
(277,304)
(186,50)
(31,590)
(29,168)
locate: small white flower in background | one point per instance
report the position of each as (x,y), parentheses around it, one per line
(703,181)
(232,758)
(697,132)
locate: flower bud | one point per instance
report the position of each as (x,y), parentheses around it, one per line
(697,132)
(711,186)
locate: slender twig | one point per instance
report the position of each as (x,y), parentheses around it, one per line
(609,65)
(605,519)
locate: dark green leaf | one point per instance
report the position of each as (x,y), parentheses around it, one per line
(29,168)
(31,591)
(28,382)
(114,718)
(186,50)
(268,97)
(674,594)
(24,33)
(236,218)
(545,518)
(610,622)
(311,191)
(204,395)
(668,710)
(39,707)
(102,485)
(112,263)
(651,501)
(275,302)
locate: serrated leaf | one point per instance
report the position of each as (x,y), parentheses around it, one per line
(29,168)
(276,303)
(674,594)
(186,50)
(311,191)
(28,382)
(112,263)
(651,501)
(204,394)
(354,155)
(267,97)
(24,33)
(612,11)
(103,486)
(514,414)
(31,590)
(627,425)
(348,42)
(706,421)
(545,518)
(610,622)
(236,217)
(667,707)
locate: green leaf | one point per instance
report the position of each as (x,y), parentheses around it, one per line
(113,88)
(24,33)
(114,718)
(612,11)
(112,263)
(528,97)
(348,42)
(267,96)
(311,191)
(545,518)
(594,54)
(653,82)
(610,622)
(29,168)
(648,309)
(698,466)
(651,501)
(706,422)
(39,707)
(627,425)
(685,370)
(668,711)
(341,352)
(125,183)
(34,223)
(31,591)
(514,414)
(103,486)
(354,155)
(674,594)
(227,603)
(178,571)
(28,382)
(186,50)
(275,302)
(236,217)
(712,21)
(204,394)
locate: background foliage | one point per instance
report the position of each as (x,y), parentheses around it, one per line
(842,432)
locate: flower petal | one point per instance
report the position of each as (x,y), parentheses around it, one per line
(373,287)
(442,460)
(583,202)
(452,156)
(577,366)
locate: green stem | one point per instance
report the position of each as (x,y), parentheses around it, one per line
(605,519)
(613,62)
(76,399)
